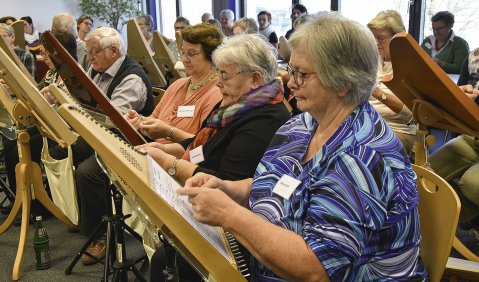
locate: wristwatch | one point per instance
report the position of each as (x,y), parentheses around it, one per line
(383,96)
(172,168)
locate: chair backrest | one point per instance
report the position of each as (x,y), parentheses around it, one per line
(439,208)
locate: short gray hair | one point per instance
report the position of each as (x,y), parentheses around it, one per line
(343,53)
(251,53)
(249,25)
(8,28)
(389,19)
(228,14)
(107,36)
(64,22)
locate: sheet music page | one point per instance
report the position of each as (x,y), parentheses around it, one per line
(165,186)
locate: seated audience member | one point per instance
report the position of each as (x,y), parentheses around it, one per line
(84,26)
(25,57)
(384,26)
(298,10)
(127,86)
(266,29)
(36,140)
(245,25)
(8,20)
(145,23)
(206,17)
(180,24)
(335,189)
(216,23)
(197,92)
(227,19)
(446,48)
(67,23)
(252,109)
(32,36)
(459,158)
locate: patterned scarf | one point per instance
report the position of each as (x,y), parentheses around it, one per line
(269,94)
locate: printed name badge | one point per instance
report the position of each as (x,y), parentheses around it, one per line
(286,186)
(196,155)
(186,111)
(428,45)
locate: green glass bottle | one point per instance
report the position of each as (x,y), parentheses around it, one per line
(41,245)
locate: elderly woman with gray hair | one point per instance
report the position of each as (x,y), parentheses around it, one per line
(235,135)
(334,196)
(384,26)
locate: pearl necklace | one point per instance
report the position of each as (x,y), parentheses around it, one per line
(194,88)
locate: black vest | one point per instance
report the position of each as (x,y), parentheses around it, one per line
(130,66)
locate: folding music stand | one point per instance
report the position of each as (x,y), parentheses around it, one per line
(139,50)
(19,34)
(30,109)
(434,99)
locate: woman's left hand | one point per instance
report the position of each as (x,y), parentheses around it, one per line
(211,206)
(154,128)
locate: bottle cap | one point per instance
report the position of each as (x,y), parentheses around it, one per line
(39,217)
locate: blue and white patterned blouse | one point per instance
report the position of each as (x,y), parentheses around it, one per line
(356,206)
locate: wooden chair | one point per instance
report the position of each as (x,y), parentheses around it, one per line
(157,95)
(439,208)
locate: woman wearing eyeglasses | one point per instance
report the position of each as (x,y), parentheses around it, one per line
(446,48)
(235,135)
(188,101)
(334,196)
(384,26)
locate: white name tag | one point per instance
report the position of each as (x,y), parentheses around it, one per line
(428,45)
(196,155)
(286,186)
(186,111)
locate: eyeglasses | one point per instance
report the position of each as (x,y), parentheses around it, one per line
(298,76)
(438,28)
(224,79)
(383,38)
(93,53)
(190,55)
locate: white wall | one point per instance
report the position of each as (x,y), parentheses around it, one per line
(41,11)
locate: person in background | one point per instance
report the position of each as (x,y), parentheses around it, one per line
(334,197)
(84,26)
(227,19)
(8,20)
(145,22)
(206,16)
(67,23)
(266,29)
(180,24)
(252,109)
(446,48)
(245,25)
(216,23)
(298,10)
(384,26)
(25,57)
(32,36)
(457,161)
(170,119)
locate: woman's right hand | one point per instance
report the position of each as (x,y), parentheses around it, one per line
(134,118)
(205,180)
(52,100)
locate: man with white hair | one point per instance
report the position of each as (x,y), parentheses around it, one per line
(25,57)
(227,18)
(127,86)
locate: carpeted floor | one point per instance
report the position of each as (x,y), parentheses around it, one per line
(63,246)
